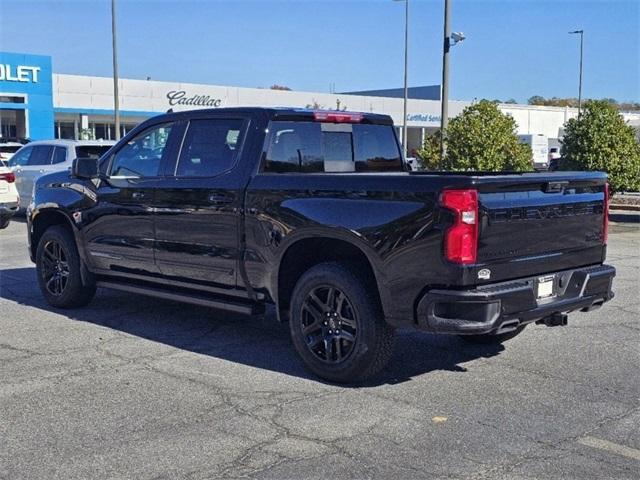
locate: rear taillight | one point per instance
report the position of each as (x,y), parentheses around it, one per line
(605,216)
(8,177)
(337,117)
(461,239)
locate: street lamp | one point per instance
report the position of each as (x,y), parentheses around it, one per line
(116,101)
(450,39)
(581,32)
(406,65)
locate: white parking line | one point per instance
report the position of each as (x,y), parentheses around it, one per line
(610,447)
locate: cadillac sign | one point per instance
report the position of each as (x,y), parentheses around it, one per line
(180,97)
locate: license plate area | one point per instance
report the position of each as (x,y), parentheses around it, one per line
(545,287)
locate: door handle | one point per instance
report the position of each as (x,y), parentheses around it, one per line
(220,199)
(42,170)
(138,195)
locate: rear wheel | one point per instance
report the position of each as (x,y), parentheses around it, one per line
(337,325)
(489,339)
(58,266)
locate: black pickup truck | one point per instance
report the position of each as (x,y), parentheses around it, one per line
(316,213)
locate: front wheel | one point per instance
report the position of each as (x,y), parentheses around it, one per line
(58,267)
(337,325)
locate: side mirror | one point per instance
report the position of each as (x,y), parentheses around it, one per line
(85,168)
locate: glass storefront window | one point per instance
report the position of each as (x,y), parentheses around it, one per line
(65,130)
(101,131)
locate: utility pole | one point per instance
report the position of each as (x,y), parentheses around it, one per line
(116,100)
(444,98)
(406,75)
(581,32)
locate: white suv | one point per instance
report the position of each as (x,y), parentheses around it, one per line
(47,156)
(8,148)
(9,198)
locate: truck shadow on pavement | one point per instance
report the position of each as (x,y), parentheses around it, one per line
(257,342)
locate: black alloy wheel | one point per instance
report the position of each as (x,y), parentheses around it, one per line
(55,268)
(59,267)
(329,324)
(337,325)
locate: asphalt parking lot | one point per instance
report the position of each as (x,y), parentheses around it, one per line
(132,387)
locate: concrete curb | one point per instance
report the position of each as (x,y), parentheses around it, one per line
(624,216)
(622,206)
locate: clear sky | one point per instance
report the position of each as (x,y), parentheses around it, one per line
(514,48)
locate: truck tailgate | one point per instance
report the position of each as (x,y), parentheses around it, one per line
(552,223)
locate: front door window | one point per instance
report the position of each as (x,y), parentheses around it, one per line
(142,156)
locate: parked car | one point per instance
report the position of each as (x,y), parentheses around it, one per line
(46,156)
(10,146)
(9,198)
(316,213)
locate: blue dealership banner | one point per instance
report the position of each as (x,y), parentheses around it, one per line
(26,87)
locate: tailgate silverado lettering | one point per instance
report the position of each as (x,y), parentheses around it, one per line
(543,212)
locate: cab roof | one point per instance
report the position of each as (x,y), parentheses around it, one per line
(286,113)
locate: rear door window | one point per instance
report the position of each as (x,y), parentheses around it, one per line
(327,147)
(41,155)
(210,147)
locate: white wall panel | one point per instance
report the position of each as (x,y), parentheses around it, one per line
(81,92)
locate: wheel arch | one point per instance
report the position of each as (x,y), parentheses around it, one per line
(43,219)
(305,252)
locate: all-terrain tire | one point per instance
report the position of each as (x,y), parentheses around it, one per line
(57,256)
(366,340)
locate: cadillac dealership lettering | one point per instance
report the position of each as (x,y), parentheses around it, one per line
(179,97)
(21,73)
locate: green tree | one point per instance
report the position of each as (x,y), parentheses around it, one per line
(484,138)
(599,139)
(536,100)
(275,86)
(429,154)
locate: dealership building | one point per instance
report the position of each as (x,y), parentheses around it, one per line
(37,103)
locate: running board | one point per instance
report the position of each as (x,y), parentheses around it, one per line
(220,304)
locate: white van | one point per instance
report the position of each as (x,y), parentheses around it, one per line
(540,147)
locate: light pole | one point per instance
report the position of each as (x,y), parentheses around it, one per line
(581,32)
(116,100)
(450,39)
(406,67)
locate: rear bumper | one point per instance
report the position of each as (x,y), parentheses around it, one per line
(504,306)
